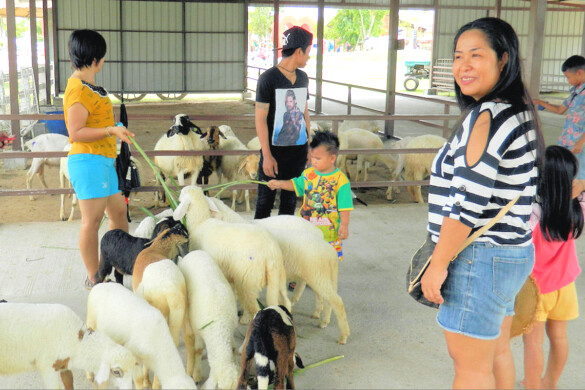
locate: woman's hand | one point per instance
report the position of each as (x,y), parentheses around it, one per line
(120,132)
(432,281)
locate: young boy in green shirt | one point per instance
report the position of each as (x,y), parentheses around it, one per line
(326,191)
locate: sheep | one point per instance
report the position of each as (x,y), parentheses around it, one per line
(181,137)
(51,142)
(211,163)
(213,319)
(372,126)
(64,178)
(52,339)
(417,166)
(118,250)
(238,167)
(146,227)
(254,144)
(309,259)
(130,321)
(167,245)
(163,286)
(271,342)
(363,139)
(227,131)
(247,254)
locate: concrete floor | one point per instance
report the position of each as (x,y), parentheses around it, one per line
(394,342)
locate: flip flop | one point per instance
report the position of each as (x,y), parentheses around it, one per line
(89,284)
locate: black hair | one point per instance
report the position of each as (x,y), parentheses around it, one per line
(561,214)
(290,93)
(290,52)
(510,88)
(573,64)
(326,139)
(85,47)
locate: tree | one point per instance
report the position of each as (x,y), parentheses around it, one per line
(354,26)
(260,22)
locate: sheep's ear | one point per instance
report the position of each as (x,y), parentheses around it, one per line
(103,374)
(181,209)
(242,165)
(170,132)
(212,206)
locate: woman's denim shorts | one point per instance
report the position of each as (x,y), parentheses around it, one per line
(481,286)
(92,176)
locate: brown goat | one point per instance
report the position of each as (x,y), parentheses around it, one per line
(270,341)
(165,246)
(211,163)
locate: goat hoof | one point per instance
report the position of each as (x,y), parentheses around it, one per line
(323,324)
(316,316)
(342,340)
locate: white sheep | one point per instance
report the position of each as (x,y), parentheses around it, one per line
(146,227)
(227,130)
(362,139)
(397,175)
(130,321)
(372,126)
(63,181)
(52,339)
(163,286)
(309,259)
(238,167)
(213,318)
(417,166)
(254,144)
(51,142)
(248,255)
(180,137)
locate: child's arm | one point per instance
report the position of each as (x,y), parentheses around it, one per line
(344,225)
(557,109)
(579,144)
(281,185)
(578,187)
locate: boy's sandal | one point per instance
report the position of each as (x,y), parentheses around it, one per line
(89,284)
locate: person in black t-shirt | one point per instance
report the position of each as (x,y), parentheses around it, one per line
(282,121)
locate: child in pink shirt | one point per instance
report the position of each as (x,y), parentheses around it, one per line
(556,220)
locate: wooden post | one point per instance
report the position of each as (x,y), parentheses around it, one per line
(535,46)
(319,70)
(13,71)
(46,47)
(391,72)
(33,45)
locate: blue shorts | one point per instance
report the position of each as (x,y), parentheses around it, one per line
(481,288)
(581,158)
(92,176)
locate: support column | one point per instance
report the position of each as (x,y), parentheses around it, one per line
(46,47)
(319,70)
(583,36)
(276,31)
(535,46)
(391,75)
(498,9)
(33,45)
(13,71)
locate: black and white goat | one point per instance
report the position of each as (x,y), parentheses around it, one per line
(270,341)
(120,249)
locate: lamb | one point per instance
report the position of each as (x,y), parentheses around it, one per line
(52,339)
(211,163)
(146,227)
(130,321)
(118,250)
(64,178)
(362,139)
(271,342)
(213,318)
(180,137)
(167,245)
(309,259)
(51,142)
(238,167)
(254,144)
(372,126)
(247,254)
(163,286)
(417,166)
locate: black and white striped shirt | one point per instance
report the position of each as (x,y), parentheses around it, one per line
(474,194)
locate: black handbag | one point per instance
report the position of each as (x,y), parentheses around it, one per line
(128,176)
(422,258)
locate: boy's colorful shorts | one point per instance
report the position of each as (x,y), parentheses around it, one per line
(338,246)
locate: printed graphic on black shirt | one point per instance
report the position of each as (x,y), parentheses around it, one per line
(289,121)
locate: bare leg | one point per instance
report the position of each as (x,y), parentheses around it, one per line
(504,369)
(473,360)
(559,352)
(533,356)
(92,211)
(116,212)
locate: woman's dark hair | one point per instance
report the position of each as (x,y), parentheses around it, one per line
(561,214)
(326,139)
(509,89)
(85,47)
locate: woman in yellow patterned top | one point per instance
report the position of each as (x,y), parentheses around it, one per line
(90,122)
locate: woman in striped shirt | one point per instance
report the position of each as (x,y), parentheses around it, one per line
(492,158)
